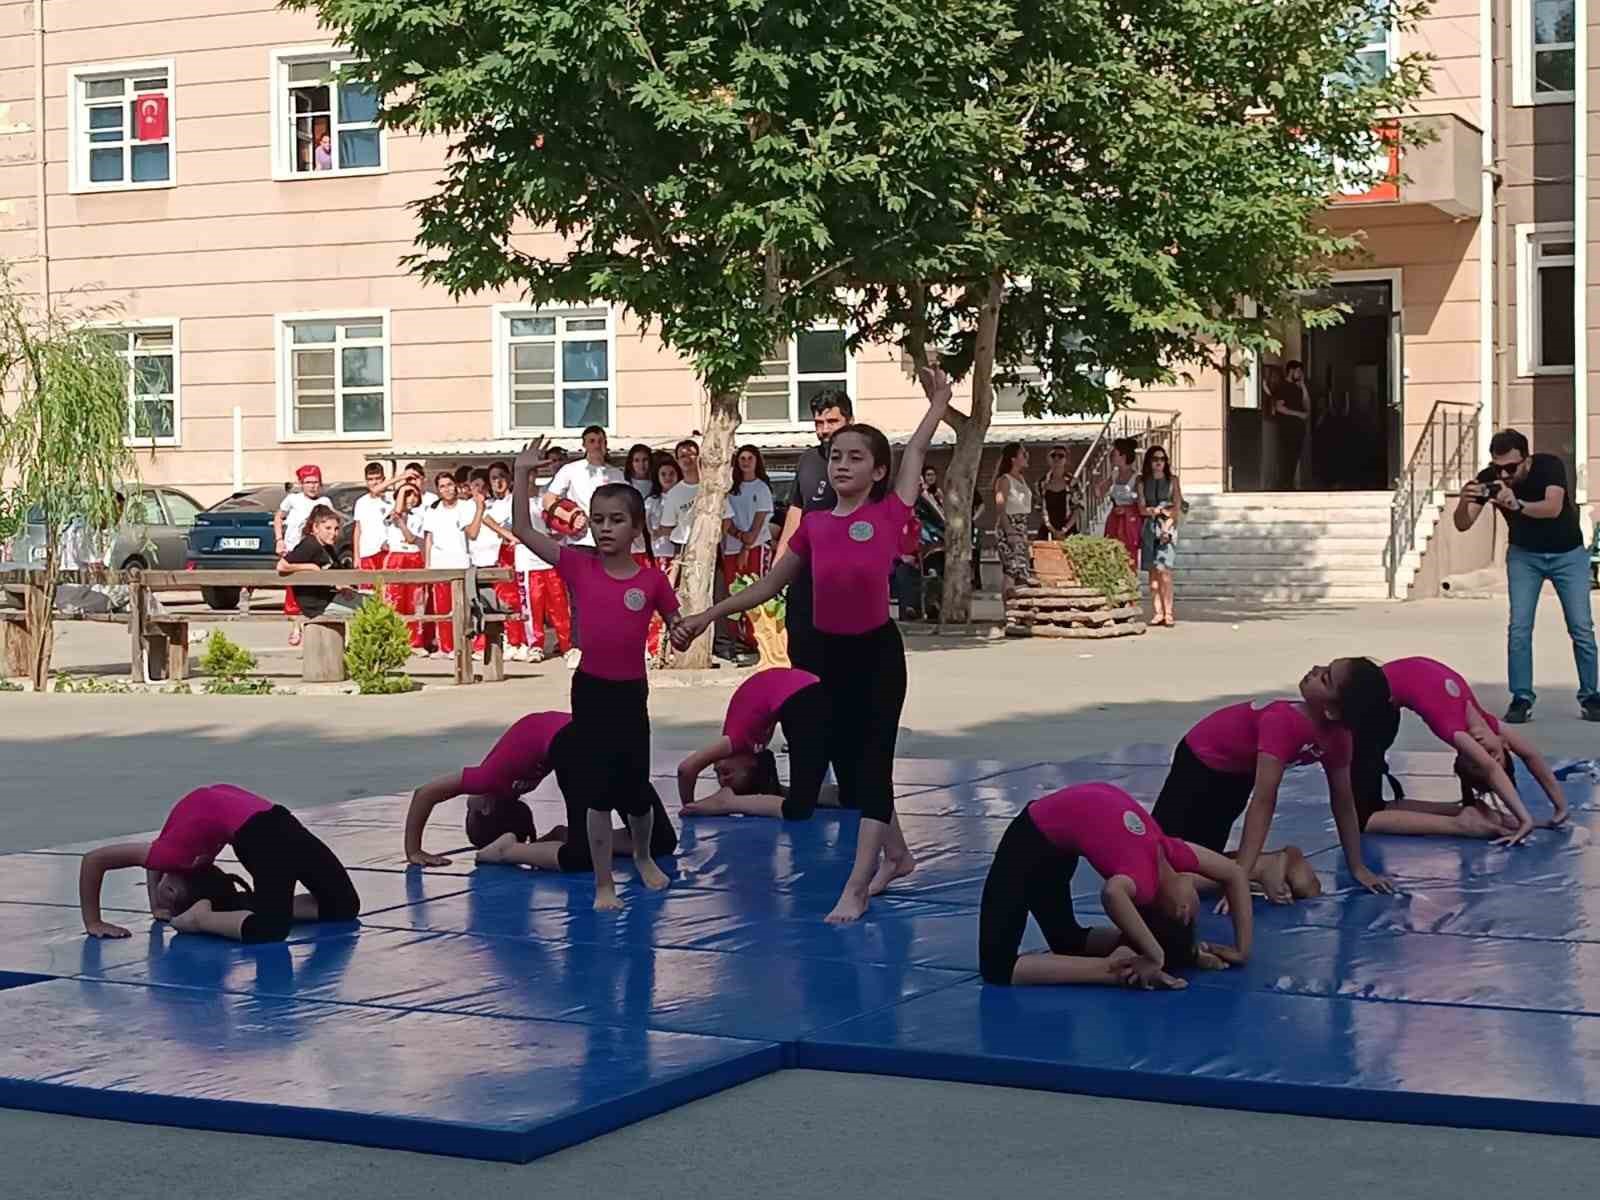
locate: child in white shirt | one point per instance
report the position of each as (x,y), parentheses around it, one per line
(447,530)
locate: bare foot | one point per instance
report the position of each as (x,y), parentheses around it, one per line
(851,906)
(1272,875)
(652,876)
(889,870)
(188,921)
(606,900)
(495,851)
(1302,877)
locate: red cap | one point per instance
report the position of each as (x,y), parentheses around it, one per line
(309,471)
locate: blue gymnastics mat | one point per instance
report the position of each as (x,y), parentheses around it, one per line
(491,1013)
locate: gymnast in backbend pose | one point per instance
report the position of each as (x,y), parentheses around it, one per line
(1237,756)
(1444,701)
(188,889)
(851,551)
(746,769)
(1149,894)
(499,821)
(608,767)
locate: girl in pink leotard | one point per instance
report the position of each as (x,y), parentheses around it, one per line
(1484,749)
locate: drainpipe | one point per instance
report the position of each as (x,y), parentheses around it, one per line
(40,199)
(1486,230)
(1580,256)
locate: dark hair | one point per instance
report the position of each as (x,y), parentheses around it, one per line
(761,467)
(1474,784)
(882,455)
(764,779)
(408,487)
(1144,468)
(1508,440)
(479,475)
(634,503)
(322,513)
(443,475)
(833,398)
(1294,364)
(686,442)
(462,475)
(374,469)
(1128,448)
(1365,694)
(588,429)
(1008,455)
(227,893)
(1176,938)
(627,465)
(661,459)
(500,465)
(505,814)
(417,467)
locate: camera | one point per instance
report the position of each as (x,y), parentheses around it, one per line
(1489,477)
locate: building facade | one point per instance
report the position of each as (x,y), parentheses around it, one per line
(191,168)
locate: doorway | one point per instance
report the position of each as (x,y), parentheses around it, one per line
(1352,374)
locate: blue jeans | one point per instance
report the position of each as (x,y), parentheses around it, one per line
(1526,571)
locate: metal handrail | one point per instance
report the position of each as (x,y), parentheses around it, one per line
(1442,461)
(1091,479)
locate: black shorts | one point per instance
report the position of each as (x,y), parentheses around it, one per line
(805,719)
(607,743)
(566,758)
(1369,764)
(1029,876)
(1198,803)
(279,852)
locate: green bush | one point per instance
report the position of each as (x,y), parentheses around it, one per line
(227,666)
(1102,563)
(376,649)
(774,608)
(89,685)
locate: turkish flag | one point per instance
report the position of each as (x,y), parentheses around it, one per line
(150,118)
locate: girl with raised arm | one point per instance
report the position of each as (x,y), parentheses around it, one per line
(851,551)
(610,696)
(188,889)
(1149,894)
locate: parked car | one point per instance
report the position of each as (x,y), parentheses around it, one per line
(236,535)
(153,534)
(782,484)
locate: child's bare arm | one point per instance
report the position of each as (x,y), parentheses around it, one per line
(423,801)
(91,874)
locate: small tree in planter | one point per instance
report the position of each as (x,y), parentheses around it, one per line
(377,647)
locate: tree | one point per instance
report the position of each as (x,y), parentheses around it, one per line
(699,162)
(63,444)
(1154,163)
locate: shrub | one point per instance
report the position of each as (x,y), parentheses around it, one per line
(773,608)
(376,649)
(1102,563)
(89,685)
(227,666)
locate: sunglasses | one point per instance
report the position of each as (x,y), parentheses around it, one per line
(1506,470)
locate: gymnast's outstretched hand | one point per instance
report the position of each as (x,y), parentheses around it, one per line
(1373,882)
(1143,973)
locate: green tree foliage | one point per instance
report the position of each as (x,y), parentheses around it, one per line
(63,437)
(377,648)
(227,666)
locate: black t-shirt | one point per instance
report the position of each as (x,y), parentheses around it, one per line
(812,491)
(1548,535)
(313,601)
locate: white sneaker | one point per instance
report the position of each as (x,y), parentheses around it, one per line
(573,658)
(516,654)
(535,655)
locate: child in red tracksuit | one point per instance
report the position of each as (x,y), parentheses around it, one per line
(370,538)
(547,596)
(403,552)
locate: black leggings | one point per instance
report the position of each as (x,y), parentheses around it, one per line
(805,643)
(1369,764)
(279,852)
(1199,803)
(576,778)
(804,718)
(865,678)
(1028,876)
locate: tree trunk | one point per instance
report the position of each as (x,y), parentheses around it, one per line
(961,480)
(699,564)
(41,619)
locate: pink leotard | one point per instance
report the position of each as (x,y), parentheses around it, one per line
(200,825)
(1230,738)
(616,613)
(850,559)
(1108,827)
(520,760)
(753,711)
(1440,696)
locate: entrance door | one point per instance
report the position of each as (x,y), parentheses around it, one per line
(1352,370)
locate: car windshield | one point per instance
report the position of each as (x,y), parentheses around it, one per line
(255,501)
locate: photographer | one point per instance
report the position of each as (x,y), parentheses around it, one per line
(1546,543)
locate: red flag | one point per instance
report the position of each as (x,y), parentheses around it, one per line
(150,118)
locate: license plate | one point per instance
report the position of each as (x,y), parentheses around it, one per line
(238,543)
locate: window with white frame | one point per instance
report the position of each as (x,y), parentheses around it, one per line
(800,368)
(149,353)
(558,369)
(1372,59)
(1011,398)
(1544,50)
(336,376)
(322,125)
(120,133)
(1545,296)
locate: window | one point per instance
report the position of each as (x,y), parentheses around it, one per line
(143,510)
(322,125)
(1544,50)
(554,368)
(181,510)
(1545,300)
(150,355)
(120,127)
(815,361)
(334,376)
(1009,398)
